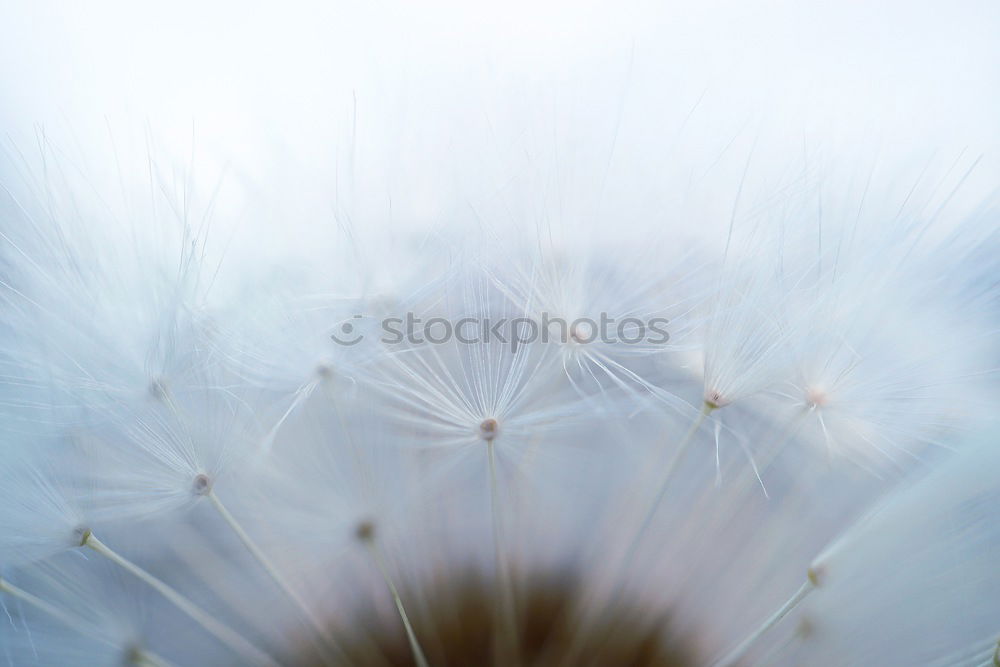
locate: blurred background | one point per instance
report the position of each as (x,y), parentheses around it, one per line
(425,102)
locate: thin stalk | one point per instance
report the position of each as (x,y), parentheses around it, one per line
(144,658)
(672,465)
(626,560)
(220,631)
(733,656)
(771,656)
(507,640)
(981,653)
(136,656)
(745,481)
(272,571)
(418,653)
(45,607)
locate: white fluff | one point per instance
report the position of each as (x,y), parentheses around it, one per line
(821,418)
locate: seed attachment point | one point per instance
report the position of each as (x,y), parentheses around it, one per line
(202,485)
(134,656)
(488,428)
(83,535)
(816,397)
(581,333)
(324,370)
(715,400)
(159,390)
(365,531)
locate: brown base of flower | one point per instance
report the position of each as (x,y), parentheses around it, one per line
(454,619)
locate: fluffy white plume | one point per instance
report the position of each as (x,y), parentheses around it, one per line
(448,338)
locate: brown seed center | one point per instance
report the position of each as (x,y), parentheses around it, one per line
(488,428)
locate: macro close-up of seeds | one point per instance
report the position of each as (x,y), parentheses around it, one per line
(390,334)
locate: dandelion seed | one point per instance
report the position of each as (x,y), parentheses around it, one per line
(366,533)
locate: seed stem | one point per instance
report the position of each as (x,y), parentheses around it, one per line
(618,585)
(137,656)
(672,466)
(222,632)
(730,659)
(272,571)
(144,658)
(43,606)
(506,642)
(418,653)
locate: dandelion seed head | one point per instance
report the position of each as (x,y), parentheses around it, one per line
(212,455)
